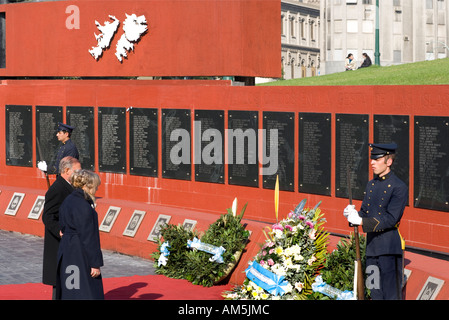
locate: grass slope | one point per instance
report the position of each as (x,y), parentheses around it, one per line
(433,72)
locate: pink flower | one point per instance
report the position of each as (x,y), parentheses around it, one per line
(278,227)
(310,224)
(264,253)
(291,214)
(288,227)
(271,251)
(302,218)
(268,244)
(262,262)
(270,262)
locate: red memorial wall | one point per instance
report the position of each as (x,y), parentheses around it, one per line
(420,226)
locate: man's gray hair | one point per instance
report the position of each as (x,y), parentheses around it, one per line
(67,163)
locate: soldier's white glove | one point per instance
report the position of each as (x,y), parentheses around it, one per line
(42,165)
(348,209)
(354,218)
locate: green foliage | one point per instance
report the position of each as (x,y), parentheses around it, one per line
(194,265)
(338,270)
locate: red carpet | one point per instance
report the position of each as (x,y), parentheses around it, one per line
(126,288)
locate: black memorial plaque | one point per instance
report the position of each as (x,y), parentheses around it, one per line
(82,118)
(47,118)
(112,139)
(19,135)
(176,144)
(395,129)
(209,146)
(431,163)
(243,166)
(314,154)
(352,150)
(279,150)
(143,142)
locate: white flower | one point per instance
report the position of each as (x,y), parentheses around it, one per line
(279,270)
(278,234)
(288,288)
(298,257)
(288,262)
(299,286)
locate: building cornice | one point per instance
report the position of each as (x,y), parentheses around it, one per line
(301,8)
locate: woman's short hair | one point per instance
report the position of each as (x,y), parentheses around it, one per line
(87,180)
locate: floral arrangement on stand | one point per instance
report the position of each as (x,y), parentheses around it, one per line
(289,260)
(203,259)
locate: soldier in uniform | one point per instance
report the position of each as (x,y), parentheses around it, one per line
(67,148)
(381,211)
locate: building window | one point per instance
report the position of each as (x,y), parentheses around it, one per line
(292,27)
(282,25)
(312,34)
(352,26)
(429,4)
(303,27)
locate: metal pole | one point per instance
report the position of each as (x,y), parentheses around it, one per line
(377,53)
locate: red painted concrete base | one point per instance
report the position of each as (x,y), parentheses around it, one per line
(421,267)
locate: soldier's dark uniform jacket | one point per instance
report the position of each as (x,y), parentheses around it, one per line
(381,211)
(67,149)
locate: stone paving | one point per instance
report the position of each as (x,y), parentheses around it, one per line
(21,260)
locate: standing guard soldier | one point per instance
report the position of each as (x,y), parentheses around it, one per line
(67,148)
(382,208)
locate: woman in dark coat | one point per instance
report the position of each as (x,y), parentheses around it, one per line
(79,255)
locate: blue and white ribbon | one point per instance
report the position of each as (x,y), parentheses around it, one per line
(320,286)
(267,280)
(216,252)
(163,258)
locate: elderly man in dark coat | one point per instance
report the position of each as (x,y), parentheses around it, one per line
(79,255)
(54,197)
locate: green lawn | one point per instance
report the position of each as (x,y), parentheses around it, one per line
(419,73)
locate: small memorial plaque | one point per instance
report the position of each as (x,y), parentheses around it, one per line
(176,144)
(19,136)
(155,233)
(47,119)
(109,219)
(209,146)
(143,142)
(352,150)
(14,204)
(189,224)
(243,166)
(431,169)
(112,139)
(279,150)
(314,155)
(37,208)
(82,118)
(395,129)
(134,223)
(430,289)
